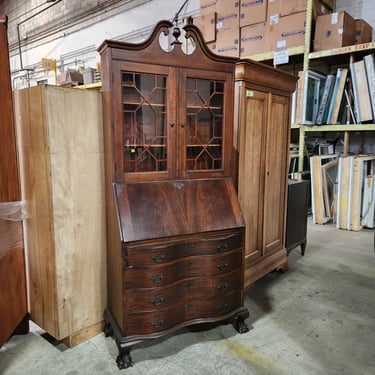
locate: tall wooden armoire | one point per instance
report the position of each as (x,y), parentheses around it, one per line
(174,226)
(262,126)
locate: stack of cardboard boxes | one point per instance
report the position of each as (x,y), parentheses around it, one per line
(249,27)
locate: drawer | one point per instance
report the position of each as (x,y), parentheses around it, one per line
(198,309)
(137,300)
(172,272)
(168,251)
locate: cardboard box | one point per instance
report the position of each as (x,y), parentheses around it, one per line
(285,7)
(252,12)
(363,32)
(227,42)
(252,39)
(207,25)
(286,32)
(334,30)
(70,77)
(320,8)
(207,6)
(228,14)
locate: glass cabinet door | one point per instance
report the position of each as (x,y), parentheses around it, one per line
(172,123)
(144,102)
(204,133)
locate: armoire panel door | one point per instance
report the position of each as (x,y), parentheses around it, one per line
(251,182)
(277,140)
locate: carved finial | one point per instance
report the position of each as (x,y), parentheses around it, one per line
(176,31)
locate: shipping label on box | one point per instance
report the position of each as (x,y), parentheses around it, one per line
(228,14)
(227,42)
(206,23)
(288,32)
(252,39)
(207,6)
(333,31)
(363,32)
(252,12)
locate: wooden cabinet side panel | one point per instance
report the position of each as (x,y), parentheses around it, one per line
(111,114)
(13,306)
(13,302)
(9,187)
(61,153)
(251,172)
(34,162)
(77,174)
(276,174)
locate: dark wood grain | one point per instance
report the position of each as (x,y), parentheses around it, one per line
(150,299)
(13,309)
(170,208)
(9,186)
(148,254)
(163,319)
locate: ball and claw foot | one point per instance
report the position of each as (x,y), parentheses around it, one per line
(124,361)
(108,330)
(241,326)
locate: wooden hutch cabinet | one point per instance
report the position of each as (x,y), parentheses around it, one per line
(263,103)
(174,226)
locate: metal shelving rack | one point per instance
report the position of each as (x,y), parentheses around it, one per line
(343,53)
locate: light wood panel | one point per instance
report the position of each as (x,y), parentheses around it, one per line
(62,174)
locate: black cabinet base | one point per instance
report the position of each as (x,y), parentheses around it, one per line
(296,222)
(124,344)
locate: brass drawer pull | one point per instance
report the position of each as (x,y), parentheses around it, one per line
(158,258)
(189,246)
(157,278)
(223,266)
(223,246)
(188,306)
(222,286)
(223,306)
(157,323)
(157,300)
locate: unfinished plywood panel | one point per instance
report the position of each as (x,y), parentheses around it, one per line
(344,192)
(62,176)
(368,203)
(355,192)
(322,197)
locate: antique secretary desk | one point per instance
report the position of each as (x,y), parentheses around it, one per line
(185,131)
(174,225)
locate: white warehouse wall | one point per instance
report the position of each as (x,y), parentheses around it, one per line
(80,48)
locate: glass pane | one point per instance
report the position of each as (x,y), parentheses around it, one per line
(205,101)
(144,122)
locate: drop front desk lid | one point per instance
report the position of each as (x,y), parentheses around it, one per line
(158,209)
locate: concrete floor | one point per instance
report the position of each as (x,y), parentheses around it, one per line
(317,318)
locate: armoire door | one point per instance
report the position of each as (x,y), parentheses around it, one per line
(275,174)
(13,301)
(251,170)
